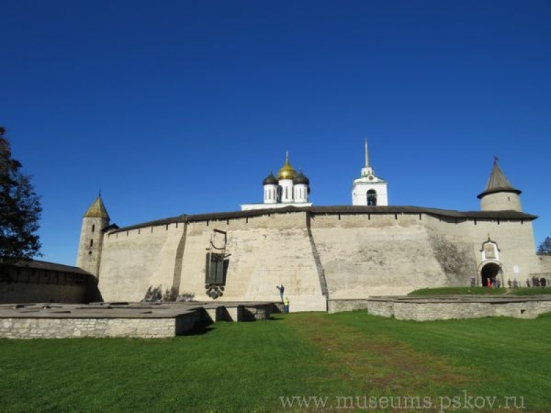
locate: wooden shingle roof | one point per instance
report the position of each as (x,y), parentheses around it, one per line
(336,210)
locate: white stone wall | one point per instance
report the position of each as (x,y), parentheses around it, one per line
(270,194)
(264,252)
(515,241)
(300,193)
(500,201)
(355,256)
(544,264)
(286,190)
(376,255)
(137,260)
(362,185)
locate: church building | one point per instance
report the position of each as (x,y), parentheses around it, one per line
(289,188)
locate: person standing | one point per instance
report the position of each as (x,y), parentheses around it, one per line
(281,289)
(286,305)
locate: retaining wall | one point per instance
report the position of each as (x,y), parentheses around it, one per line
(94,327)
(456,308)
(337,306)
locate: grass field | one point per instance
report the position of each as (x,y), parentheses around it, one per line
(483,291)
(295,362)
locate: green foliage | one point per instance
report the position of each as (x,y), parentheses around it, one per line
(545,247)
(248,367)
(19,208)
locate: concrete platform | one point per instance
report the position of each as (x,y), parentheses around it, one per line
(121,319)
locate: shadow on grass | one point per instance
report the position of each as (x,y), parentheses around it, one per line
(198,330)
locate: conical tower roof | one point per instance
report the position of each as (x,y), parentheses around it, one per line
(498,183)
(97,210)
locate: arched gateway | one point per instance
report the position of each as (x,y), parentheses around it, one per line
(489,272)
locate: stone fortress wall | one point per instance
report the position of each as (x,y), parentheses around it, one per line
(44,282)
(17,292)
(317,253)
(327,257)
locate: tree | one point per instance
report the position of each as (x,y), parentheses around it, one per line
(545,247)
(19,208)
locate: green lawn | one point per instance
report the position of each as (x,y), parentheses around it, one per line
(344,360)
(482,291)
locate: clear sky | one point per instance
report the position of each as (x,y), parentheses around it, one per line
(173,107)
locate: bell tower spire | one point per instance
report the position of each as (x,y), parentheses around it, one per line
(366,155)
(368,189)
(367,170)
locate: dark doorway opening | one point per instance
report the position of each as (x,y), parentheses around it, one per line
(372,197)
(489,272)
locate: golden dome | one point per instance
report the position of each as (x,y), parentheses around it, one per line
(286,171)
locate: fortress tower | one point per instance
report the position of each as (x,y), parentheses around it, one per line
(499,194)
(369,189)
(94,222)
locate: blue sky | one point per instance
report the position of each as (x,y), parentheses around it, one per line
(173,107)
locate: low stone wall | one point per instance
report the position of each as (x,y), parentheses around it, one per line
(25,328)
(257,312)
(237,311)
(383,308)
(156,320)
(337,306)
(443,308)
(222,313)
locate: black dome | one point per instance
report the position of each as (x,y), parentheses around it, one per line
(270,180)
(301,179)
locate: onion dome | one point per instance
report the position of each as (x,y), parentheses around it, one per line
(301,179)
(270,179)
(286,171)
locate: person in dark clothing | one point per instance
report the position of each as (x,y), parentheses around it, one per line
(281,289)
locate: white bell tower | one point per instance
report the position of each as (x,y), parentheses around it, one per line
(369,189)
